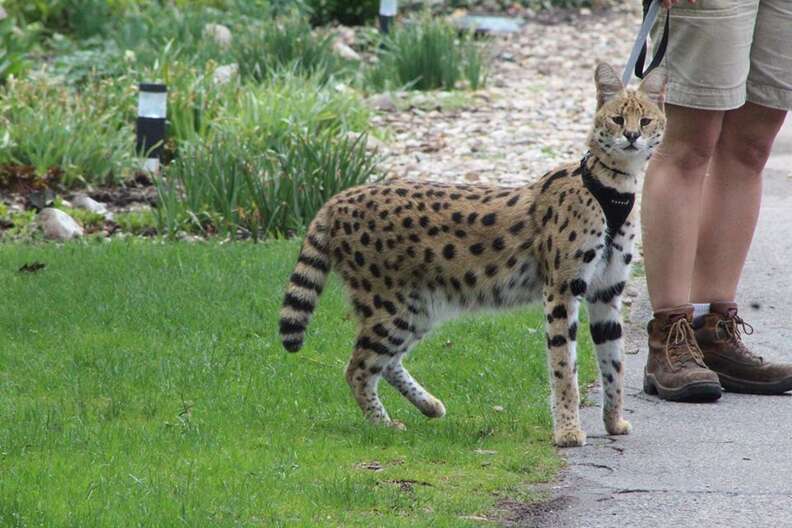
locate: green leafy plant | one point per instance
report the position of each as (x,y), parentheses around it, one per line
(285,42)
(136,222)
(16,41)
(428,55)
(232,189)
(80,138)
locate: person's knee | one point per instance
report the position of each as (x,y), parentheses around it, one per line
(747,135)
(750,149)
(689,156)
(690,140)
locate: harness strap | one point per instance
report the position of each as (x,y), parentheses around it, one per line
(616,205)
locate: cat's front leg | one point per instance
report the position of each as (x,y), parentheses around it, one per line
(606,332)
(561,315)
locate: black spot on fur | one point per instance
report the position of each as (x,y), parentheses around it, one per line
(547,216)
(470,278)
(366,343)
(477,249)
(288,326)
(608,294)
(577,287)
(304,282)
(300,305)
(516,228)
(448,251)
(314,262)
(557,341)
(498,244)
(606,331)
(363,309)
(488,219)
(513,200)
(555,176)
(401,324)
(559,312)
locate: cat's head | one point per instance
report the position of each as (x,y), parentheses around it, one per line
(629,124)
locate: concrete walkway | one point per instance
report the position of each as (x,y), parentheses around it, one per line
(726,464)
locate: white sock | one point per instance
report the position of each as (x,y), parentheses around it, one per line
(700,310)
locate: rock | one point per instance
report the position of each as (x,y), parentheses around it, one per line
(58,225)
(219,33)
(346,34)
(344,51)
(225,73)
(383,102)
(82,201)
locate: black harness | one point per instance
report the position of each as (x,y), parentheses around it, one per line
(616,205)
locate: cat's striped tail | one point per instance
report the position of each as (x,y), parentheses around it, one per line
(305,284)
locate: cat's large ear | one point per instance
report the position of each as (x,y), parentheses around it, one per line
(608,83)
(654,85)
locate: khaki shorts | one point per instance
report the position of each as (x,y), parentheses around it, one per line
(722,53)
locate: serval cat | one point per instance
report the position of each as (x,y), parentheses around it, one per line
(414,253)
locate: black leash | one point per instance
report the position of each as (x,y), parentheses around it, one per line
(651,9)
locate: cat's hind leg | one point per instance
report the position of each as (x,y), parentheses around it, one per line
(364,370)
(397,375)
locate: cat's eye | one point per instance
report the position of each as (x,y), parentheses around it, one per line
(619,120)
(645,121)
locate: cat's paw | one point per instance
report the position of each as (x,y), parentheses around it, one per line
(569,438)
(618,427)
(396,424)
(433,408)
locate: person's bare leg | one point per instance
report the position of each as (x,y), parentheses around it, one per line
(671,202)
(730,200)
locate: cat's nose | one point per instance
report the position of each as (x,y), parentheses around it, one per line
(631,136)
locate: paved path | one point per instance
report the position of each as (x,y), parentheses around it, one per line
(727,464)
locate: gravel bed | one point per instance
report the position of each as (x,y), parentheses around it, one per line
(534,113)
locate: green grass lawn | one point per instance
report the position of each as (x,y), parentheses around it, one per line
(143,384)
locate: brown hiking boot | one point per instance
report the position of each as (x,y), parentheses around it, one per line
(740,370)
(675,369)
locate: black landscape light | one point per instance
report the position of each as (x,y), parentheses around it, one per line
(152,110)
(387,12)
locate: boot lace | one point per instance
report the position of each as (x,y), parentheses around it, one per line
(732,327)
(681,346)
